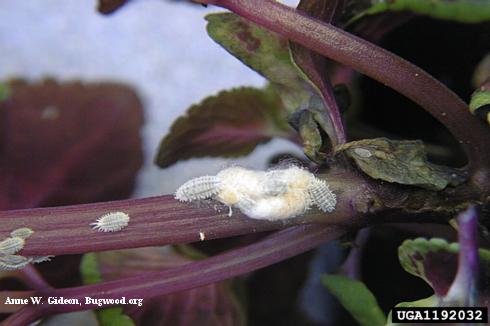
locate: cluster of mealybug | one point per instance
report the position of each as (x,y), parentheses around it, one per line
(9,247)
(111,222)
(269,195)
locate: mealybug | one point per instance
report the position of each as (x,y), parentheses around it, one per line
(111,222)
(270,195)
(321,195)
(198,188)
(13,262)
(11,246)
(23,233)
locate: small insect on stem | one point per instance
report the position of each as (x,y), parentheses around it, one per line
(13,262)
(11,246)
(198,188)
(321,195)
(270,195)
(111,222)
(23,233)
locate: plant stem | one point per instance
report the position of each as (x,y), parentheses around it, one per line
(276,247)
(314,66)
(153,221)
(380,65)
(464,290)
(162,220)
(31,276)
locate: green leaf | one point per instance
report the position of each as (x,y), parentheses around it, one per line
(229,124)
(465,11)
(263,51)
(269,55)
(89,269)
(404,162)
(480,103)
(312,138)
(435,261)
(356,298)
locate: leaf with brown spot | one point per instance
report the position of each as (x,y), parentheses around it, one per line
(436,262)
(404,162)
(68,143)
(263,51)
(231,123)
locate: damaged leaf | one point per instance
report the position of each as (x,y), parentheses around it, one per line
(436,262)
(231,123)
(213,304)
(264,52)
(268,54)
(68,143)
(404,162)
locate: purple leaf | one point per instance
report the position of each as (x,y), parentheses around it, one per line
(231,123)
(277,247)
(212,304)
(464,289)
(68,143)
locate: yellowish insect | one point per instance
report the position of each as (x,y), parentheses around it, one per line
(23,233)
(11,246)
(269,195)
(13,262)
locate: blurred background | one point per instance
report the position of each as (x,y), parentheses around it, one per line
(158,47)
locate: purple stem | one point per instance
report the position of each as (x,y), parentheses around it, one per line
(153,221)
(378,64)
(276,247)
(352,267)
(162,220)
(34,279)
(464,289)
(314,67)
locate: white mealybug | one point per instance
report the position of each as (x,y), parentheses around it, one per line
(111,222)
(269,195)
(23,233)
(321,195)
(13,262)
(198,188)
(11,246)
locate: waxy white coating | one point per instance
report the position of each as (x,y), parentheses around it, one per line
(268,195)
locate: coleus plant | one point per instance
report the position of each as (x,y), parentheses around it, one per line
(309,55)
